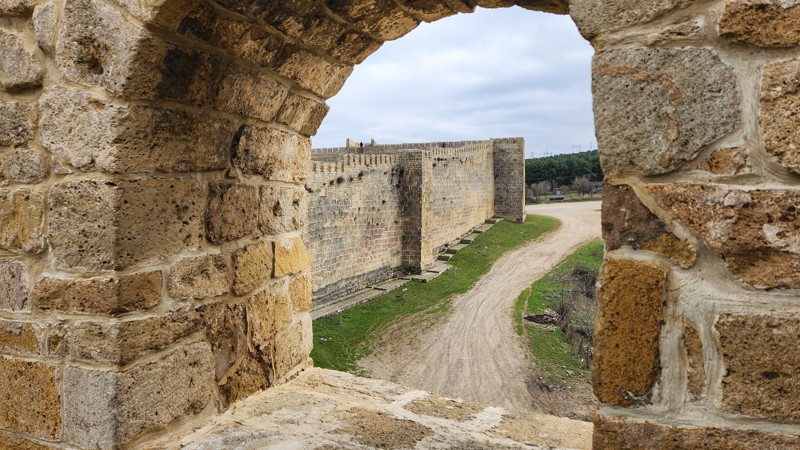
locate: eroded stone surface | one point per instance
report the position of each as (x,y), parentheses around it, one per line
(18,338)
(22,166)
(226,331)
(651,106)
(379,429)
(300,293)
(22,211)
(19,68)
(273,154)
(293,344)
(381,18)
(756,232)
(780,111)
(766,23)
(17,122)
(727,161)
(291,256)
(109,295)
(252,266)
(200,277)
(445,408)
(232,211)
(44,24)
(13,286)
(695,363)
(761,364)
(29,398)
(630,298)
(282,209)
(267,313)
(594,17)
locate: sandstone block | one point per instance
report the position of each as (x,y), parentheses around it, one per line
(380,18)
(695,363)
(29,398)
(10,440)
(313,72)
(106,409)
(200,277)
(300,293)
(273,154)
(267,312)
(232,212)
(293,344)
(651,106)
(630,297)
(780,106)
(13,286)
(594,18)
(761,364)
(428,11)
(226,330)
(770,23)
(727,161)
(18,338)
(22,166)
(15,7)
(19,68)
(108,295)
(354,47)
(252,266)
(291,257)
(251,95)
(17,123)
(754,231)
(302,114)
(44,25)
(81,224)
(282,209)
(253,374)
(612,434)
(22,211)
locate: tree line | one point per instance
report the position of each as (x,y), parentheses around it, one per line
(564,169)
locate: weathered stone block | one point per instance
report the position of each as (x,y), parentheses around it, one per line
(18,338)
(291,257)
(16,442)
(251,95)
(17,123)
(22,211)
(15,7)
(313,72)
(302,114)
(110,296)
(595,18)
(651,106)
(22,166)
(755,232)
(253,374)
(761,365)
(695,363)
(226,330)
(267,312)
(282,209)
(44,25)
(252,266)
(232,212)
(769,23)
(273,154)
(630,298)
(293,344)
(428,10)
(780,107)
(29,398)
(106,409)
(727,161)
(200,277)
(13,286)
(300,293)
(380,18)
(19,68)
(354,47)
(613,434)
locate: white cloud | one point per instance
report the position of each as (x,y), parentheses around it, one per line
(493,73)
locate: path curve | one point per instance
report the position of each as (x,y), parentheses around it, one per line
(475,354)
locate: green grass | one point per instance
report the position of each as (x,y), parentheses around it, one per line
(342,339)
(550,349)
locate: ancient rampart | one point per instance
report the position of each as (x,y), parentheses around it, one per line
(382,210)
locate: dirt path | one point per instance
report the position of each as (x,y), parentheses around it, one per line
(475,354)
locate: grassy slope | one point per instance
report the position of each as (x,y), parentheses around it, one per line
(549,348)
(342,339)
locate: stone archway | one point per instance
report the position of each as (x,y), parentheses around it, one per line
(142,281)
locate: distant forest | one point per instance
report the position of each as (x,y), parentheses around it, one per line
(563,169)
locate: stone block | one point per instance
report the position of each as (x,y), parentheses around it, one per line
(354,47)
(81,224)
(754,231)
(300,293)
(44,25)
(20,68)
(252,266)
(107,295)
(312,72)
(630,298)
(594,18)
(29,398)
(17,442)
(428,10)
(232,212)
(251,95)
(226,330)
(107,409)
(17,123)
(282,210)
(695,363)
(293,344)
(381,18)
(85,133)
(727,161)
(302,114)
(651,106)
(291,256)
(18,338)
(627,221)
(22,166)
(13,286)
(761,364)
(274,154)
(780,107)
(769,23)
(613,434)
(267,312)
(253,374)
(200,277)
(15,7)
(22,211)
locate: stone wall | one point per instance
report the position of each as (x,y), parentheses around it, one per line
(383,210)
(146,278)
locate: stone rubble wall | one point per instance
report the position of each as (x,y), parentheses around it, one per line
(383,210)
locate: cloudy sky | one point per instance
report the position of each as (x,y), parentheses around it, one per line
(494,73)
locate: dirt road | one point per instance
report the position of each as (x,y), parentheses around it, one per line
(475,354)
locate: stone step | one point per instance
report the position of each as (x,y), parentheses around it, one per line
(494,220)
(439,267)
(444,257)
(483,228)
(389,284)
(351,300)
(424,277)
(454,249)
(469,238)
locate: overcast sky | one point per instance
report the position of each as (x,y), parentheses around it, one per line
(495,73)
